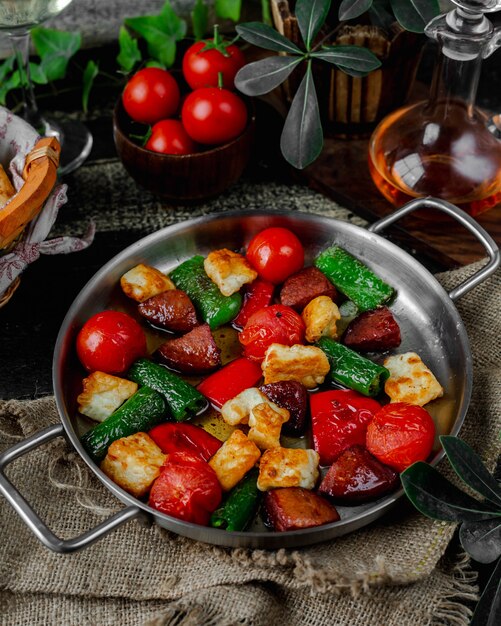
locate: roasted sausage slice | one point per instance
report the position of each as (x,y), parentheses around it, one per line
(357,476)
(193,353)
(171,309)
(373,330)
(293,508)
(304,286)
(290,395)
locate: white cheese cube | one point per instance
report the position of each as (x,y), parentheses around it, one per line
(237,410)
(320,317)
(306,364)
(288,467)
(143,282)
(265,426)
(102,395)
(229,270)
(234,459)
(410,380)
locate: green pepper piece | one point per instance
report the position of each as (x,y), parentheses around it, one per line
(353,278)
(353,370)
(145,409)
(182,399)
(214,308)
(240,506)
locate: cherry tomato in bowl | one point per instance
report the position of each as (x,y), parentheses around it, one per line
(170,137)
(151,95)
(110,342)
(275,253)
(205,60)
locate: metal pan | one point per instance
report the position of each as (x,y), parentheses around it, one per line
(429,320)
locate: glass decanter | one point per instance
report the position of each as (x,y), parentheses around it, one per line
(443,147)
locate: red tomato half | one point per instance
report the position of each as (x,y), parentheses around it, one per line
(201,67)
(151,95)
(275,253)
(110,342)
(274,324)
(187,488)
(170,137)
(172,437)
(214,116)
(401,434)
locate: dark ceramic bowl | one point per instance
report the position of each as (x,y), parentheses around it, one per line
(187,177)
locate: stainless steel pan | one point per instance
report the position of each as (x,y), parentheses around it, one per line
(429,320)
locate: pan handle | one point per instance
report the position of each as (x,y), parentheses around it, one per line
(463,218)
(32,520)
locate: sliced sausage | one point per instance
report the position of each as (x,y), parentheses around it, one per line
(193,353)
(375,330)
(171,309)
(304,286)
(293,508)
(290,395)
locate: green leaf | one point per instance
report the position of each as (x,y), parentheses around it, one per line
(310,16)
(37,74)
(266,37)
(380,14)
(161,33)
(482,540)
(8,84)
(266,12)
(350,9)
(55,48)
(129,53)
(302,137)
(413,15)
(6,67)
(436,497)
(200,19)
(353,60)
(90,73)
(469,467)
(153,63)
(228,9)
(255,79)
(488,608)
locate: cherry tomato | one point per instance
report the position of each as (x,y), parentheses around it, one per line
(213,116)
(275,253)
(170,137)
(110,342)
(203,62)
(401,434)
(187,488)
(151,95)
(182,437)
(274,324)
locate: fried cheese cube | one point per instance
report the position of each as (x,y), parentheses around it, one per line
(306,364)
(320,317)
(6,188)
(234,459)
(134,463)
(229,270)
(288,467)
(410,380)
(237,410)
(102,395)
(143,282)
(265,426)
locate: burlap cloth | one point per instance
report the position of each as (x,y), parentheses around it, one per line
(391,573)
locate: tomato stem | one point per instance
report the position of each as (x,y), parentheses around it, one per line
(220,83)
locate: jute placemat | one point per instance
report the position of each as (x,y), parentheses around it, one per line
(145,575)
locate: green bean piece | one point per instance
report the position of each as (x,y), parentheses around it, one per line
(353,370)
(240,506)
(353,278)
(214,308)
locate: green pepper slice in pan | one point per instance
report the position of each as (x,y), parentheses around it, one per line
(240,506)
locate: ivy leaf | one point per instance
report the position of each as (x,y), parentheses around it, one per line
(350,9)
(469,467)
(55,49)
(89,75)
(302,137)
(199,19)
(8,84)
(353,60)
(436,497)
(255,79)
(488,608)
(311,14)
(482,540)
(413,15)
(37,74)
(266,37)
(161,33)
(129,53)
(228,9)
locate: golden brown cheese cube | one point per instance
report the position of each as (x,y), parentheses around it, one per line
(237,410)
(265,426)
(320,317)
(134,463)
(102,395)
(288,467)
(143,282)
(410,380)
(6,188)
(306,364)
(234,459)
(229,270)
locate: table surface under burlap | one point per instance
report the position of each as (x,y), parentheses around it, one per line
(391,573)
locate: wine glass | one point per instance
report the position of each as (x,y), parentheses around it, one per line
(17,17)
